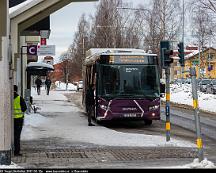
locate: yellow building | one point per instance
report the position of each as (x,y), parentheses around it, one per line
(207,64)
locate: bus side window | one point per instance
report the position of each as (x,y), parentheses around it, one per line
(107,88)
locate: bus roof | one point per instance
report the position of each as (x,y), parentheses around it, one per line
(116,51)
(93,54)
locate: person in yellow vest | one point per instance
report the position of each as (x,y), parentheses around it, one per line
(19,109)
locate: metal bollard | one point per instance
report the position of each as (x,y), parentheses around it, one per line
(196,114)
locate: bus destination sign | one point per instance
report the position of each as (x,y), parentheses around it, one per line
(127,59)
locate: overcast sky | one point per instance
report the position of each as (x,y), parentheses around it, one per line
(64,23)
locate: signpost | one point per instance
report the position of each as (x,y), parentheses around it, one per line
(46,50)
(43,41)
(32,50)
(43,50)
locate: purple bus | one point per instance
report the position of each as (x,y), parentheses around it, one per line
(126,84)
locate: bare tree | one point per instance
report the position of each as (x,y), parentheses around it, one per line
(77,50)
(202,24)
(209,5)
(163,22)
(112,27)
(106,24)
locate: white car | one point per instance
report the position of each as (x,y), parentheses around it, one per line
(80,85)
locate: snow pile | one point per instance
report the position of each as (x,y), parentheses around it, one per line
(31,128)
(182,94)
(203,164)
(60,86)
(12,166)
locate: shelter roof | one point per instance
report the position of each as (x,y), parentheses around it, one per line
(39,66)
(18,9)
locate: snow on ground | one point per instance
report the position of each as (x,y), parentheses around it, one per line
(70,125)
(73,127)
(12,166)
(203,164)
(62,86)
(183,95)
(51,97)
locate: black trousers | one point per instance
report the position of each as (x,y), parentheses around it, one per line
(18,125)
(38,90)
(48,89)
(89,112)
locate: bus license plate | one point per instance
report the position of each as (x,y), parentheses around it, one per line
(130,115)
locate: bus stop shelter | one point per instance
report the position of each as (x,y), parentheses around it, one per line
(37,69)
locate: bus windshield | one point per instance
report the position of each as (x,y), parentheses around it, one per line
(137,81)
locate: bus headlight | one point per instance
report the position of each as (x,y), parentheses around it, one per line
(153,108)
(103,107)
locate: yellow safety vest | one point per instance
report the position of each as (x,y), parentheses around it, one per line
(17,108)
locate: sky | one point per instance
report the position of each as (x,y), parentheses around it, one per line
(64,23)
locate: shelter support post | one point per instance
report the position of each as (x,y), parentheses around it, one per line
(5,87)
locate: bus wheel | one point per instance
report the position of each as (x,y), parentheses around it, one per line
(148,122)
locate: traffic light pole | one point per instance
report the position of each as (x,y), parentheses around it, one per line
(168,126)
(196,114)
(166,52)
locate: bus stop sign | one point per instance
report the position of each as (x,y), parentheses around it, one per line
(32,50)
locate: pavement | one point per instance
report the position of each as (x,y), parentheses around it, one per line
(55,152)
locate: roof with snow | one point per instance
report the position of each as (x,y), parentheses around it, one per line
(39,68)
(116,51)
(94,53)
(196,52)
(39,65)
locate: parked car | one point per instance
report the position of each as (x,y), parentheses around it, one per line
(213,86)
(180,81)
(80,85)
(188,81)
(204,85)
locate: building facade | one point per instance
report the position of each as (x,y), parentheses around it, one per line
(205,63)
(176,69)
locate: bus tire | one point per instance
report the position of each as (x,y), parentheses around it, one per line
(148,122)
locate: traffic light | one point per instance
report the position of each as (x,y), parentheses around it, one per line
(165,53)
(181,53)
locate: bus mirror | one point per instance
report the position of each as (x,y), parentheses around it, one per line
(162,95)
(162,88)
